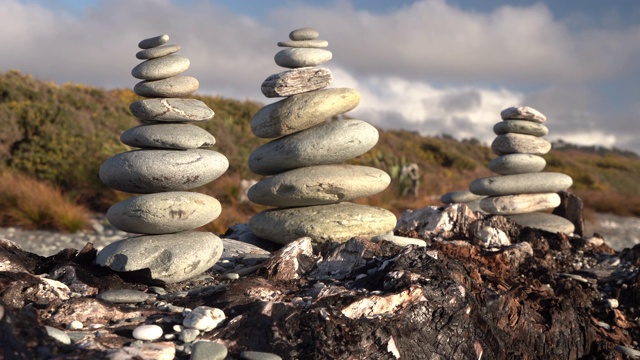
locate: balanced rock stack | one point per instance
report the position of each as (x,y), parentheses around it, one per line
(170,160)
(310,187)
(523,189)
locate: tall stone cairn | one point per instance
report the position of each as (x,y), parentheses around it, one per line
(522,190)
(171,159)
(310,188)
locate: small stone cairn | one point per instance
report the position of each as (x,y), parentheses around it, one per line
(309,186)
(171,159)
(523,190)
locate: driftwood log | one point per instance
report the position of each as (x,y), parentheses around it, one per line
(544,296)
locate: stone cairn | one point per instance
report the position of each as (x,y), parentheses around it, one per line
(522,190)
(309,186)
(170,160)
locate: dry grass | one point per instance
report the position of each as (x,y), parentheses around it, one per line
(32,204)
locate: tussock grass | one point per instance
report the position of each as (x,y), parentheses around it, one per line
(33,204)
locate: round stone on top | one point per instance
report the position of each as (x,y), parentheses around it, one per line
(304,34)
(523,113)
(153,41)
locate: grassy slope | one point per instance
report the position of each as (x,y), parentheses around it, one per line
(61,135)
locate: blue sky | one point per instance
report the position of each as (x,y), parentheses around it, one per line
(433,66)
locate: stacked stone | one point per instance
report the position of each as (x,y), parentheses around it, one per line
(310,188)
(523,189)
(171,159)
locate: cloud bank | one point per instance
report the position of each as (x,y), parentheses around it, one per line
(429,66)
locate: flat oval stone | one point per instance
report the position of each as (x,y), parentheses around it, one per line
(168,258)
(523,113)
(168,136)
(153,41)
(317,185)
(208,350)
(543,182)
(544,221)
(258,355)
(519,204)
(306,33)
(302,111)
(304,43)
(328,143)
(459,197)
(164,213)
(517,164)
(157,52)
(147,332)
(301,57)
(161,68)
(149,171)
(58,334)
(123,296)
(520,143)
(520,127)
(171,110)
(175,86)
(335,222)
(296,81)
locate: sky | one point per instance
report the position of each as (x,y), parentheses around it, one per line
(431,66)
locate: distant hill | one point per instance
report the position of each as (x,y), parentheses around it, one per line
(60,134)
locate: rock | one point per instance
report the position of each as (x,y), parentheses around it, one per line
(148,171)
(258,355)
(296,81)
(175,86)
(304,34)
(203,318)
(153,41)
(234,249)
(459,197)
(547,222)
(519,143)
(164,213)
(543,182)
(146,351)
(520,127)
(336,222)
(490,237)
(181,110)
(123,296)
(304,43)
(157,52)
(59,335)
(523,113)
(188,335)
(163,258)
(300,57)
(399,240)
(328,143)
(302,111)
(517,164)
(519,204)
(208,350)
(168,136)
(147,332)
(317,185)
(161,68)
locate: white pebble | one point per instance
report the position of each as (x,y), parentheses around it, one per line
(147,332)
(203,318)
(75,325)
(95,326)
(613,303)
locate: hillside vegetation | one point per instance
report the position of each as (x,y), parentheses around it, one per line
(58,135)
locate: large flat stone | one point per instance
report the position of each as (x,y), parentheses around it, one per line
(163,258)
(543,182)
(318,185)
(520,127)
(296,81)
(171,110)
(517,164)
(519,204)
(176,86)
(335,222)
(520,143)
(168,136)
(300,57)
(331,142)
(161,68)
(164,213)
(302,111)
(149,171)
(544,221)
